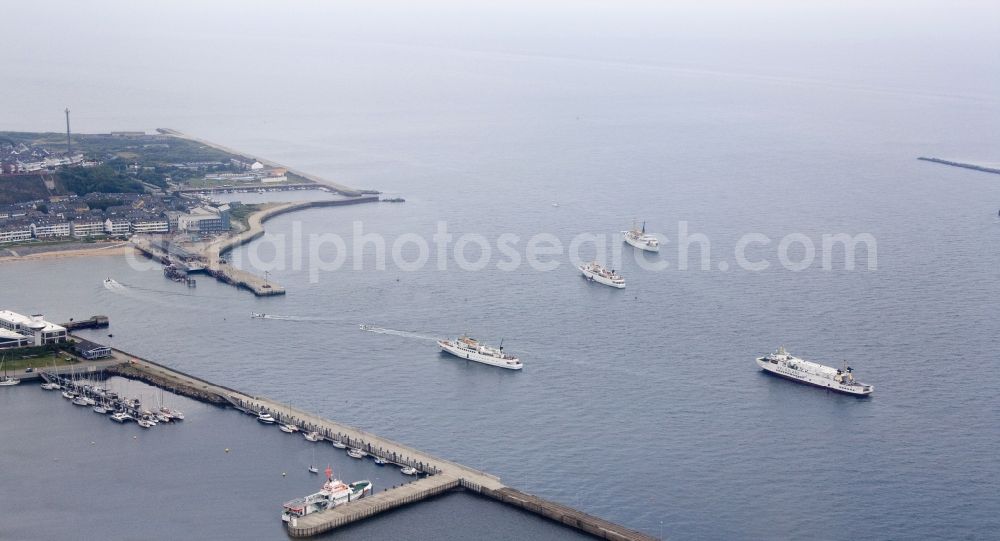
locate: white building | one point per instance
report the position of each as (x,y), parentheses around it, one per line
(11,339)
(50,229)
(151,225)
(42,332)
(256,166)
(88,228)
(15,233)
(117,226)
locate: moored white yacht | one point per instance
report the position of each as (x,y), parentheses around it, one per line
(265,418)
(312,436)
(784,364)
(466,347)
(638,238)
(595,272)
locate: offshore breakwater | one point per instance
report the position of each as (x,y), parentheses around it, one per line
(441,475)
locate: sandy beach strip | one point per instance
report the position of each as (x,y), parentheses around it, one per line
(118,248)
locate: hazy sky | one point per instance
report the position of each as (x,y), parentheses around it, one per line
(60,51)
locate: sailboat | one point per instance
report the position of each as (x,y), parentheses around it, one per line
(312,465)
(7,380)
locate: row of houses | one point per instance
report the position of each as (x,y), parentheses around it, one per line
(23,230)
(201,220)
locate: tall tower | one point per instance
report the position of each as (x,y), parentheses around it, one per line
(69,143)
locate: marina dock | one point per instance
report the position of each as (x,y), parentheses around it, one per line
(440,475)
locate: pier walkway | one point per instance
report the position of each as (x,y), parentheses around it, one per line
(442,475)
(343,515)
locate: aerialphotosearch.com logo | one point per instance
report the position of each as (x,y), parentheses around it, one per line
(320,253)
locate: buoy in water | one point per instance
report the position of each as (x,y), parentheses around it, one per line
(227,449)
(283,474)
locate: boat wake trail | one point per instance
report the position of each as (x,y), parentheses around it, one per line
(394,332)
(112,285)
(278,317)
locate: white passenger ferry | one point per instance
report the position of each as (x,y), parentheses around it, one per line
(595,272)
(469,348)
(638,238)
(789,366)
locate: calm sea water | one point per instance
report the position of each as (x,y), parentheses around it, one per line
(643,406)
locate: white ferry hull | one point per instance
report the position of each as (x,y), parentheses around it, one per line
(449,347)
(594,277)
(810,379)
(640,245)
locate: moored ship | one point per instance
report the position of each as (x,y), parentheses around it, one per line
(638,238)
(466,347)
(334,492)
(595,272)
(788,366)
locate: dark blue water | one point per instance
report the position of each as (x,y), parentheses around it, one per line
(652,388)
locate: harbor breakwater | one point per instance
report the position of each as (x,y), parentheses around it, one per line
(441,475)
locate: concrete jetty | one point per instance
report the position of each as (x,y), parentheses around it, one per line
(442,475)
(346,190)
(343,515)
(972,166)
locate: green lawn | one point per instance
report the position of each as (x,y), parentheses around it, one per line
(15,363)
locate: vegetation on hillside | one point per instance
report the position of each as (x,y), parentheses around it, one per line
(84,180)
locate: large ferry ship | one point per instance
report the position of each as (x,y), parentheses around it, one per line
(640,239)
(335,492)
(789,366)
(595,272)
(471,349)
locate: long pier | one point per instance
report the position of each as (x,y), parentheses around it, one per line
(442,475)
(972,166)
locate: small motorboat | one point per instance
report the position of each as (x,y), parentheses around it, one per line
(265,418)
(163,418)
(313,469)
(69,395)
(146,423)
(80,401)
(312,436)
(339,445)
(100,409)
(51,386)
(290,429)
(121,417)
(409,470)
(356,453)
(257,315)
(379,460)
